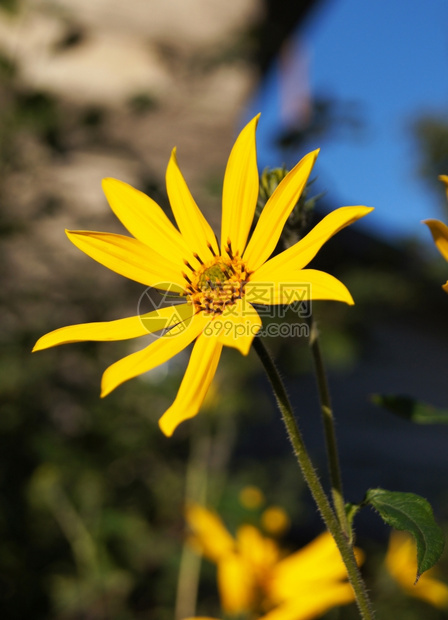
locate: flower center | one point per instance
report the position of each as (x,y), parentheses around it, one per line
(216,284)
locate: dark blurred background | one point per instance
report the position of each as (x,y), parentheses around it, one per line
(91,492)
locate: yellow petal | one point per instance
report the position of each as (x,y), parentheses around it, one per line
(130,258)
(122,329)
(261,553)
(319,562)
(301,253)
(195,229)
(240,190)
(198,376)
(287,287)
(313,602)
(275,520)
(401,562)
(146,221)
(236,327)
(153,355)
(209,532)
(235,584)
(251,497)
(276,211)
(444,179)
(439,232)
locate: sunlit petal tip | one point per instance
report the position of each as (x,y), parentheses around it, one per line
(310,158)
(434,224)
(107,181)
(166,428)
(363,210)
(314,154)
(355,213)
(109,184)
(73,234)
(40,345)
(193,389)
(255,120)
(344,295)
(106,386)
(439,232)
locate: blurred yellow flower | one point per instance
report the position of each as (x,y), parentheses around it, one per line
(401,562)
(439,231)
(216,283)
(254,576)
(251,497)
(275,520)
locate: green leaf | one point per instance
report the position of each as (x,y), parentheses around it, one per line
(410,512)
(411,409)
(351,510)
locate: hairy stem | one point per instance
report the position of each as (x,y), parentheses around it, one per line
(329,430)
(313,482)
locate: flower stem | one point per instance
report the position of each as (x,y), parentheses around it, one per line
(329,430)
(196,480)
(313,482)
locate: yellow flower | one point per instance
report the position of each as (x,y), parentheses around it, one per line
(401,562)
(251,497)
(216,283)
(275,520)
(439,231)
(254,576)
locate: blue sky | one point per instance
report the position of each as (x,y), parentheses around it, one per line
(390,59)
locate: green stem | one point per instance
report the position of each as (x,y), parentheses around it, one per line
(196,480)
(329,429)
(312,479)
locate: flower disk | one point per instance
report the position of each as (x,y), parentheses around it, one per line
(216,284)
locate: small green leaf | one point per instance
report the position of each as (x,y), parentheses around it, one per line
(410,512)
(351,511)
(411,409)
